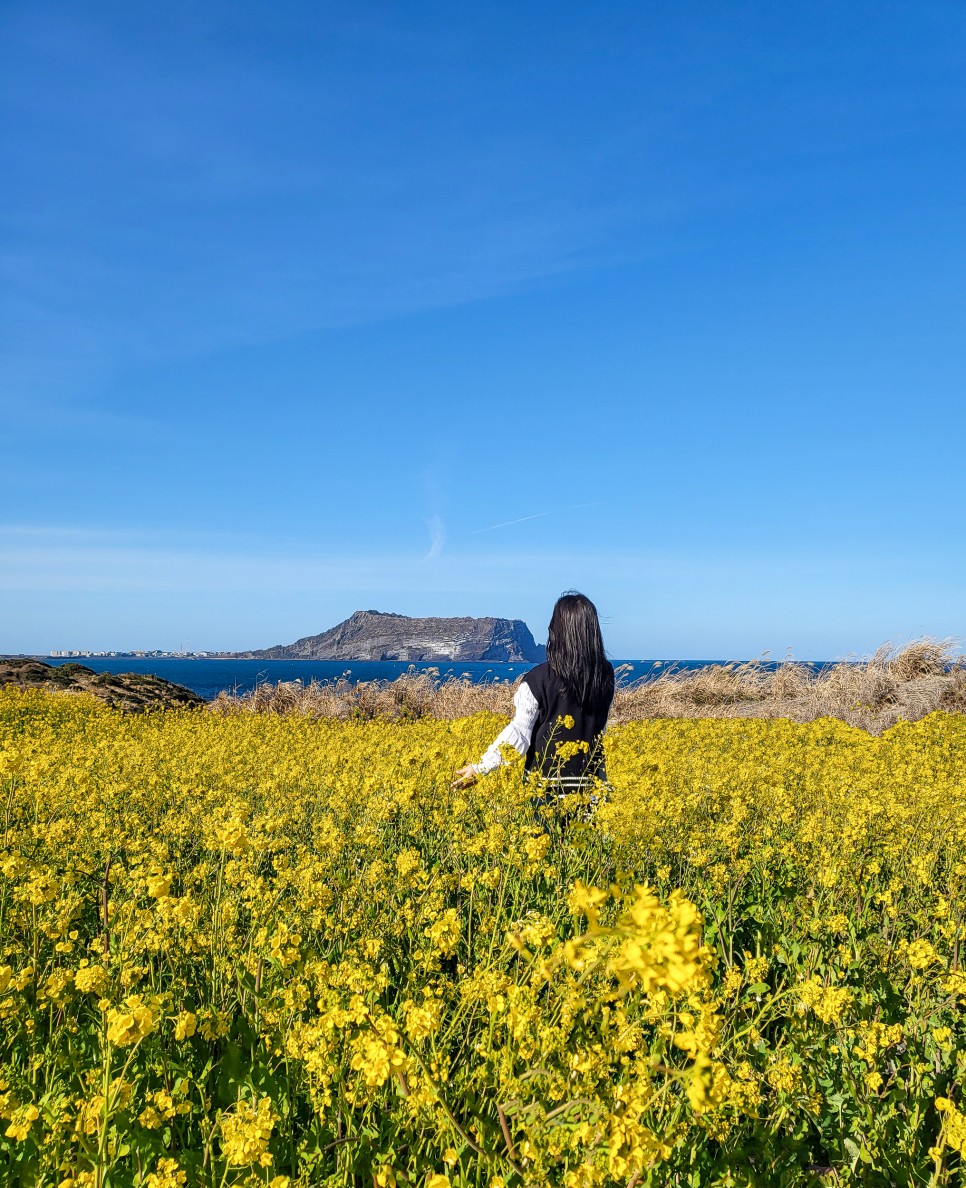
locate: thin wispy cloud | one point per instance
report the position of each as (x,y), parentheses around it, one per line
(537,516)
(508,523)
(437,536)
(47,558)
(101,588)
(429,235)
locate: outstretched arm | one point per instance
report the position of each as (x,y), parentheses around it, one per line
(516,734)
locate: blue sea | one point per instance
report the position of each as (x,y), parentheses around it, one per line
(209,677)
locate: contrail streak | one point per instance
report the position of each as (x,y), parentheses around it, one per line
(536,516)
(507,523)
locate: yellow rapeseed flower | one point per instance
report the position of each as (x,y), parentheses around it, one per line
(131,1021)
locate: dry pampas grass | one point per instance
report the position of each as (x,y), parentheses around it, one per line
(413,695)
(896,683)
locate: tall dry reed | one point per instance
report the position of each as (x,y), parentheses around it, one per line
(896,683)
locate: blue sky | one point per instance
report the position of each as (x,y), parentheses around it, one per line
(444,308)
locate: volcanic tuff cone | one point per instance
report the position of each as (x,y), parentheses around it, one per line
(375,635)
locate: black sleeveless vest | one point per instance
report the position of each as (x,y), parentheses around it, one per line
(566,741)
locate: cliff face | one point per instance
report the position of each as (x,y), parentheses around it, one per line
(373,635)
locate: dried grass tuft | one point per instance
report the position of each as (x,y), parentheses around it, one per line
(413,695)
(922,658)
(896,683)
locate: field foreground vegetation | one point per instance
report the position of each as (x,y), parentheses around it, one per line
(244,949)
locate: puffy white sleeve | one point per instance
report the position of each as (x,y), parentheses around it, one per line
(517,734)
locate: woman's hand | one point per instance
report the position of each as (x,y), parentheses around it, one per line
(466,777)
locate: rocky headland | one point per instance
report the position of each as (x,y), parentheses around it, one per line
(132,691)
(377,635)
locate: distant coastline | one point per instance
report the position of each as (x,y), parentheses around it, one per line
(209,676)
(73,654)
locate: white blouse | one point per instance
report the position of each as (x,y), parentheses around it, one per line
(517,734)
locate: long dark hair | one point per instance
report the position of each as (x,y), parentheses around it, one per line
(575,650)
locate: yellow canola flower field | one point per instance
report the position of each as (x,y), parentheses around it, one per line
(271,950)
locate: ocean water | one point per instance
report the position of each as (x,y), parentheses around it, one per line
(209,677)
